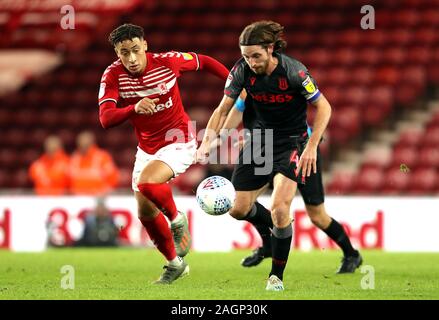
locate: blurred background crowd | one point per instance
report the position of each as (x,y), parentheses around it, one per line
(383,137)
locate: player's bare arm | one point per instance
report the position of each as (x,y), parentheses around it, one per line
(214,125)
(308,160)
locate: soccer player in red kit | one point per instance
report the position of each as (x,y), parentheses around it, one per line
(142,87)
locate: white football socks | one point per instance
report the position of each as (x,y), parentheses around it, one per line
(178,219)
(176,262)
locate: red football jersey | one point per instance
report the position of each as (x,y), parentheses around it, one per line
(159,80)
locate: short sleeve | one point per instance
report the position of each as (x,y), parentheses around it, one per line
(235,81)
(108,90)
(301,79)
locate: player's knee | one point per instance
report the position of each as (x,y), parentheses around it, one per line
(240,210)
(280,214)
(280,207)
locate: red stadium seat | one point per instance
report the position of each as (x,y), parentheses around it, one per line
(406,17)
(429,157)
(388,76)
(4,179)
(319,57)
(434,121)
(395,181)
(394,56)
(431,137)
(28,156)
(374,115)
(368,181)
(425,36)
(347,119)
(16,137)
(430,17)
(422,181)
(349,38)
(8,158)
(68,138)
(410,137)
(20,179)
(6,118)
(400,37)
(374,38)
(49,118)
(377,157)
(344,56)
(338,76)
(126,158)
(405,155)
(339,136)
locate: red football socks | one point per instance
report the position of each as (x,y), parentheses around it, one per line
(161,195)
(159,232)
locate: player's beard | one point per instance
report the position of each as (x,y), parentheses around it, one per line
(262,69)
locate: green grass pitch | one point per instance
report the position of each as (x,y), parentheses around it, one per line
(124,273)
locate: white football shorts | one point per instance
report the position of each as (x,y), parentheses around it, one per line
(178,156)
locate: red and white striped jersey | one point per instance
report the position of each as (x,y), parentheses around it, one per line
(159,80)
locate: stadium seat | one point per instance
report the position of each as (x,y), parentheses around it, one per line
(400,37)
(8,158)
(368,181)
(388,76)
(4,179)
(405,155)
(423,181)
(410,137)
(431,137)
(395,182)
(429,157)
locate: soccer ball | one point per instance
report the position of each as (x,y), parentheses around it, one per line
(215,195)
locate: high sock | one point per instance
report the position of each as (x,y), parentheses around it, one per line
(281,244)
(337,233)
(161,195)
(261,219)
(159,232)
(259,215)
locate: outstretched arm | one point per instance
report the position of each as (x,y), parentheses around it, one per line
(214,125)
(213,66)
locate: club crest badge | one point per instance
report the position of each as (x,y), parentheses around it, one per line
(163,88)
(283,84)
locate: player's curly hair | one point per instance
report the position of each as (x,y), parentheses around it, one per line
(263,33)
(124,32)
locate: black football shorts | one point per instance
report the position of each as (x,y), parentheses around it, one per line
(257,165)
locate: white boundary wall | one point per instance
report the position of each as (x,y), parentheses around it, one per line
(392,224)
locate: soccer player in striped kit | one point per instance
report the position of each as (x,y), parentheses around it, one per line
(142,87)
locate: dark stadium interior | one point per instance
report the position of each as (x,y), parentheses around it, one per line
(383,137)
